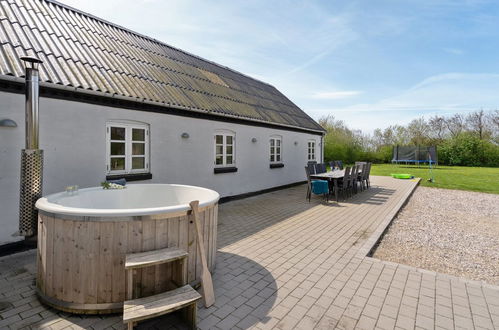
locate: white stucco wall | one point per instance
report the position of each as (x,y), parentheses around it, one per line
(73,138)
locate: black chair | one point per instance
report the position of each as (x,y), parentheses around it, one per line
(354,178)
(361,175)
(321,168)
(311,168)
(310,183)
(368,173)
(344,184)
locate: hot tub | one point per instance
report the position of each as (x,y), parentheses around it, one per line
(83,239)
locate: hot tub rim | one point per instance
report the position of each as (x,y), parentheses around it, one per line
(47,207)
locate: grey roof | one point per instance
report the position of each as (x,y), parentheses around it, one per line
(92,55)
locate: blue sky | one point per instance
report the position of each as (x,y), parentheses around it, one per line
(370,63)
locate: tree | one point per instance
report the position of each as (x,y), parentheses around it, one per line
(418,131)
(494,119)
(437,128)
(455,124)
(476,123)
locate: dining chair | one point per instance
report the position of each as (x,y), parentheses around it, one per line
(344,183)
(362,175)
(317,187)
(368,173)
(354,178)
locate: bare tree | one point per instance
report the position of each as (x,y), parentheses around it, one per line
(455,124)
(437,127)
(493,118)
(377,138)
(477,123)
(418,131)
(400,135)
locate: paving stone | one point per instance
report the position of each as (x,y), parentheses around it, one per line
(366,323)
(286,263)
(385,322)
(223,311)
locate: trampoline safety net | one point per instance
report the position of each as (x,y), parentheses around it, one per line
(414,154)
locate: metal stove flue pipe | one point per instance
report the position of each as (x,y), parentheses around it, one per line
(31,156)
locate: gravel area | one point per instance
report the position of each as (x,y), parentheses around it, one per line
(448,231)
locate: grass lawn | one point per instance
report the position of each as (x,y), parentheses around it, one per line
(483,179)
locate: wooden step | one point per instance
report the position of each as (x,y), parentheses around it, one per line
(154,257)
(160,304)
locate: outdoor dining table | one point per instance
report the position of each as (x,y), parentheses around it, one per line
(331,176)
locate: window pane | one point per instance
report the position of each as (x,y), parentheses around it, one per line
(229,160)
(219,150)
(272,151)
(272,142)
(117,133)
(138,134)
(229,150)
(278,158)
(117,164)
(278,143)
(138,163)
(278,150)
(271,158)
(229,139)
(219,160)
(219,139)
(138,148)
(117,148)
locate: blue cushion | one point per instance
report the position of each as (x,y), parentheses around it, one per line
(320,187)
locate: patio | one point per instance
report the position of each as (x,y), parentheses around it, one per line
(285,263)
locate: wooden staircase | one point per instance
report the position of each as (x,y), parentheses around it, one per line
(185,296)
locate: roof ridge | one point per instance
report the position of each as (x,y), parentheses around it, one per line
(154,40)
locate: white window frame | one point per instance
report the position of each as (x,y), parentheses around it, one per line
(275,138)
(224,145)
(128,147)
(311,150)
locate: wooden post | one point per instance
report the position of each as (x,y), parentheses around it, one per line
(206,281)
(129,278)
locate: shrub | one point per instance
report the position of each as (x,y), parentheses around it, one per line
(468,150)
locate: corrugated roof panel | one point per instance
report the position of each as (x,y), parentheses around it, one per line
(5,65)
(63,71)
(11,56)
(9,13)
(82,51)
(20,16)
(49,70)
(3,15)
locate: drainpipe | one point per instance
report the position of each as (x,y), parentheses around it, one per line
(31,156)
(322,148)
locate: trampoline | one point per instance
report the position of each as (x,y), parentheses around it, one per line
(415,155)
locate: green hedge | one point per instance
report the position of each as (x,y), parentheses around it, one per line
(468,150)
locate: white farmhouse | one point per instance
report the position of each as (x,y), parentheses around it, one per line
(115,104)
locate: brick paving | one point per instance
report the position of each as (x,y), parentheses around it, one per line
(285,263)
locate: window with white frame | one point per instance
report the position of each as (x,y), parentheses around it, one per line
(127,148)
(225,148)
(311,150)
(275,149)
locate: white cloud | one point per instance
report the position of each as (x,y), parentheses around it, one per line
(335,95)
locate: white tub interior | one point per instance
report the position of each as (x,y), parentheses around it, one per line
(135,199)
